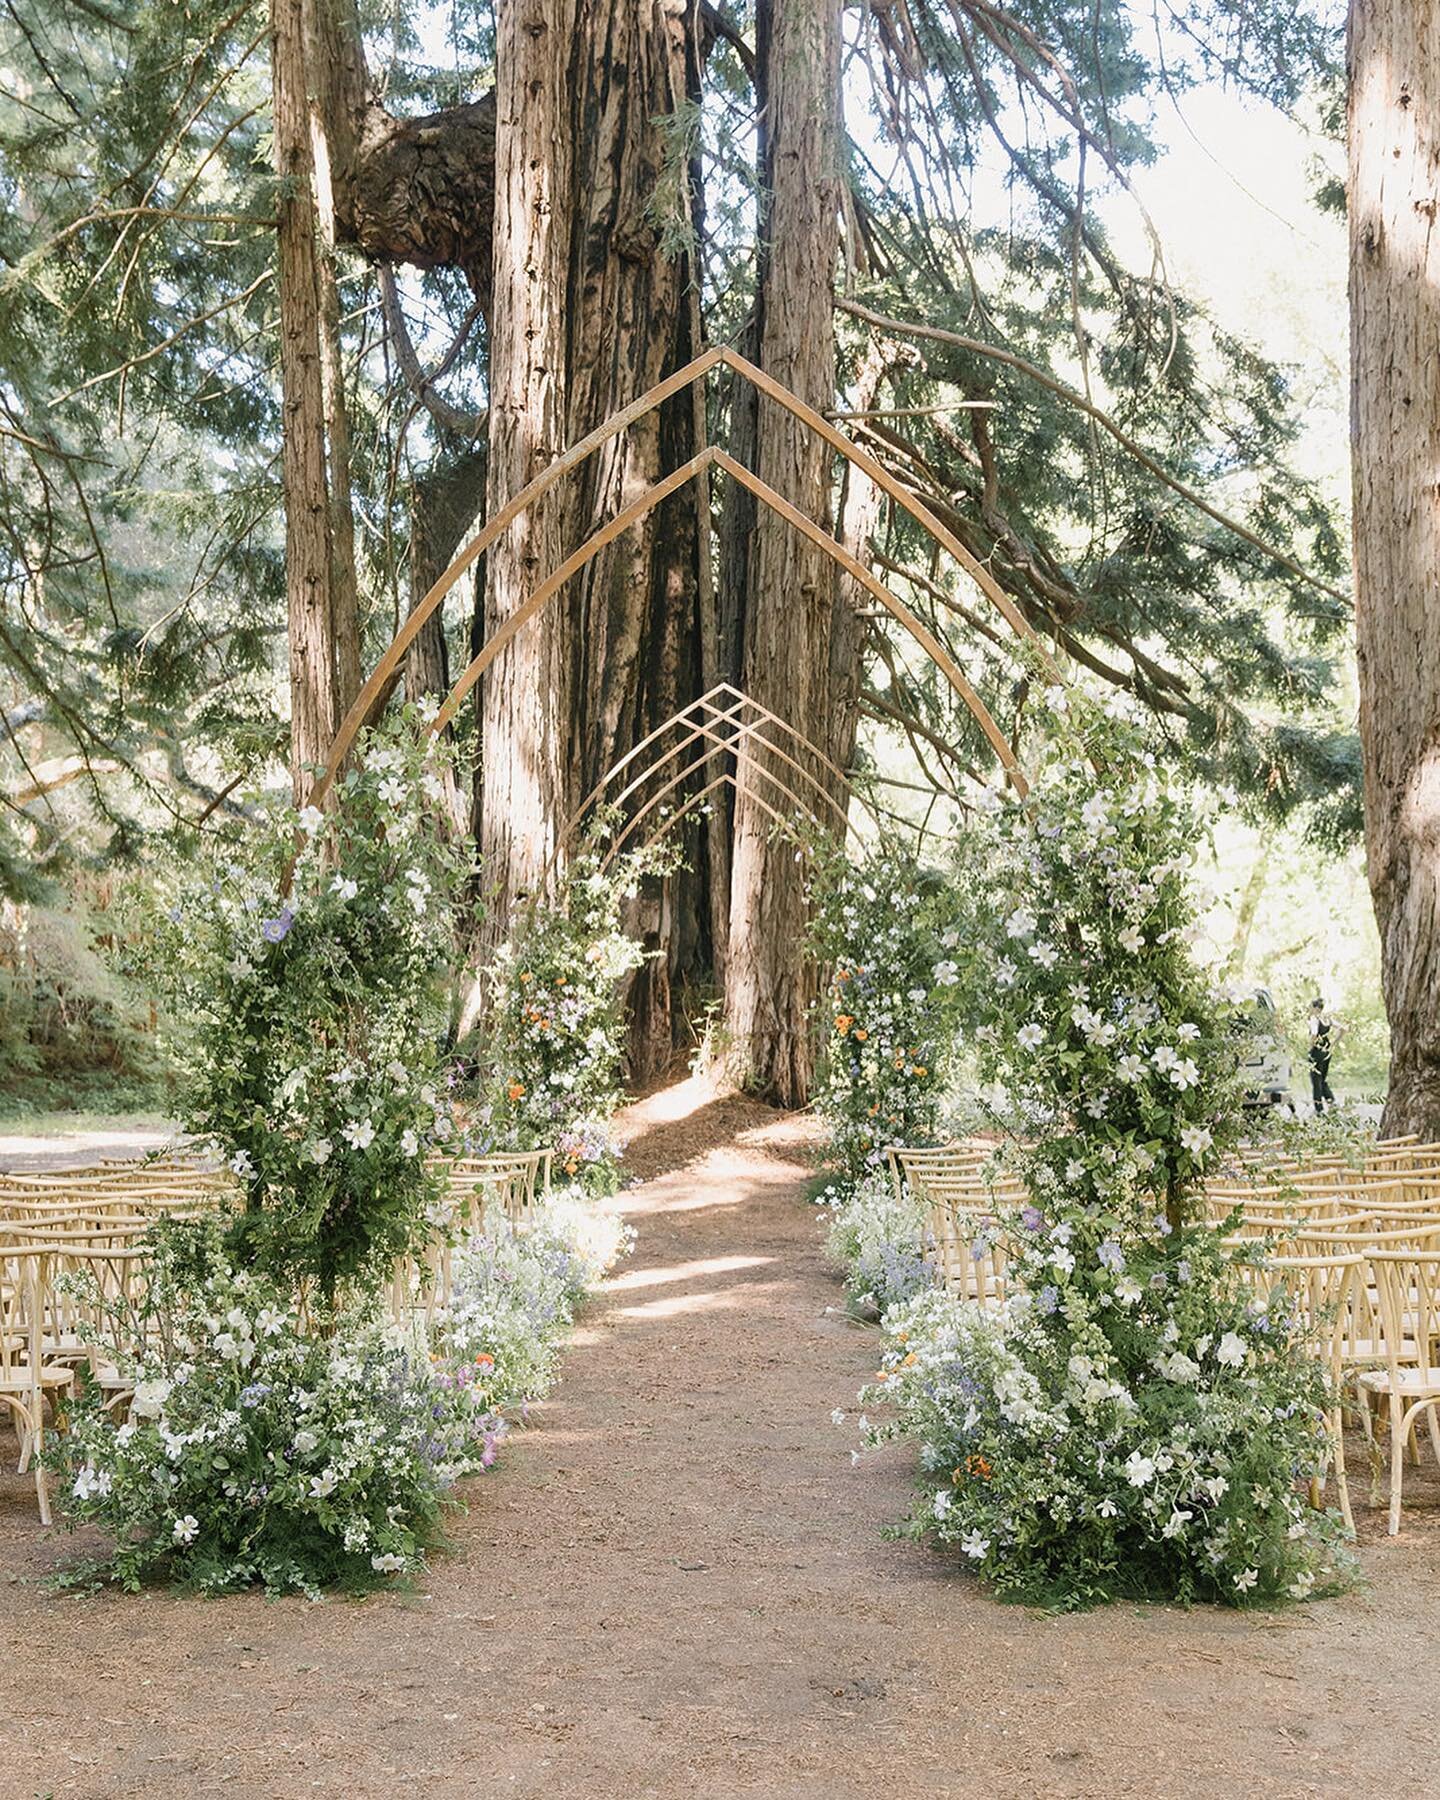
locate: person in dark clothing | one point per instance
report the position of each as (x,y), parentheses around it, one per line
(1322,1042)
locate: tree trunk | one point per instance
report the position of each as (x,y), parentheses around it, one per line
(587,311)
(1394,69)
(791,602)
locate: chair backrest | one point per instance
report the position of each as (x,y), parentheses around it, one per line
(1407,1286)
(24,1281)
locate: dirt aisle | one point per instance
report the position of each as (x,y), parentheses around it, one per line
(676,1585)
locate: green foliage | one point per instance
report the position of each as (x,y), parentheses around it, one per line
(258,1452)
(551,1043)
(886,932)
(1136,1419)
(311,1023)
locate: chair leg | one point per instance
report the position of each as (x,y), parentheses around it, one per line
(1397,1460)
(42,1489)
(1341,1483)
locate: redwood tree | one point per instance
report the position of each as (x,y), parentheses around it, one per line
(1394,87)
(790,597)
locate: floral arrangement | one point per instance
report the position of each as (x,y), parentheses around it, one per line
(551,1044)
(514,1294)
(886,933)
(875,1233)
(1135,1419)
(311,1015)
(259,1452)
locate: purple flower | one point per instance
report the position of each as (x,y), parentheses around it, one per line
(1048,1298)
(1111,1256)
(273,930)
(1032,1218)
(1159,1281)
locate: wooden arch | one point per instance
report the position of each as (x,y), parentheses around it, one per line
(372,694)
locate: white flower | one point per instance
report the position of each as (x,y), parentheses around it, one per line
(1176,1523)
(1232,1350)
(1139,1470)
(311,819)
(1130,1068)
(1197,1139)
(1045,954)
(1300,1587)
(1063,1260)
(1164,1057)
(387,1564)
(1021,924)
(186,1530)
(1246,1580)
(975,1546)
(945,974)
(359,1135)
(324,1483)
(942,1502)
(392,790)
(1128,1290)
(149,1398)
(320,1151)
(409,1143)
(241,1165)
(1030,1037)
(90,1481)
(305,1442)
(1107,1508)
(838,1416)
(1131,940)
(1185,1073)
(1005,973)
(344,887)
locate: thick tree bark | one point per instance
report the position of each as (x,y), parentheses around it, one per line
(791,600)
(313,715)
(587,312)
(1394,69)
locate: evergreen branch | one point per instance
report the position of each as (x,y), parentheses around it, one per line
(1062,390)
(155,350)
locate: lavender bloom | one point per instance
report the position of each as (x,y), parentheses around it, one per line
(1048,1299)
(1032,1218)
(1111,1256)
(273,930)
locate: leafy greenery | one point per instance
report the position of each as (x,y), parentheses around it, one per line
(314,1016)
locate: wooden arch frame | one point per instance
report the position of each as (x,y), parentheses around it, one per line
(715,720)
(372,694)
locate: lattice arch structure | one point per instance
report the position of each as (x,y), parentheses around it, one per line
(372,695)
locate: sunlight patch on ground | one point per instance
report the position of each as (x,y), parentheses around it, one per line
(689,1271)
(674,1305)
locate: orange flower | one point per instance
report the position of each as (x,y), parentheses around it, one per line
(861,1034)
(484,1362)
(842,974)
(911,1360)
(516,1090)
(978,1467)
(844,1022)
(527,976)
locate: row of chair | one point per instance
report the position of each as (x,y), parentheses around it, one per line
(1359,1264)
(73,1268)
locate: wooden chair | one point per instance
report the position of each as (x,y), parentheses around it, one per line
(1407,1283)
(27,1378)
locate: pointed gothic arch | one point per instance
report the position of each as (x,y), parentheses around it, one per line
(378,685)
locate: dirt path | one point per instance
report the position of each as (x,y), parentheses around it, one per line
(675,1585)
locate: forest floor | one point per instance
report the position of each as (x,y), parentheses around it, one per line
(676,1584)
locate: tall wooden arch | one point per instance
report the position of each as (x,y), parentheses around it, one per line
(372,694)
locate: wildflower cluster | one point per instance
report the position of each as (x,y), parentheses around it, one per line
(552,1040)
(1132,1420)
(514,1295)
(886,933)
(309,1020)
(875,1233)
(257,1453)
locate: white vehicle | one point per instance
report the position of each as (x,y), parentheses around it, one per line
(1265,1066)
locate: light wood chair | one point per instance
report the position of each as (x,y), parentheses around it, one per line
(27,1378)
(1407,1283)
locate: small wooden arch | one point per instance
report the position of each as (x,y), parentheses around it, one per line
(372,693)
(724,723)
